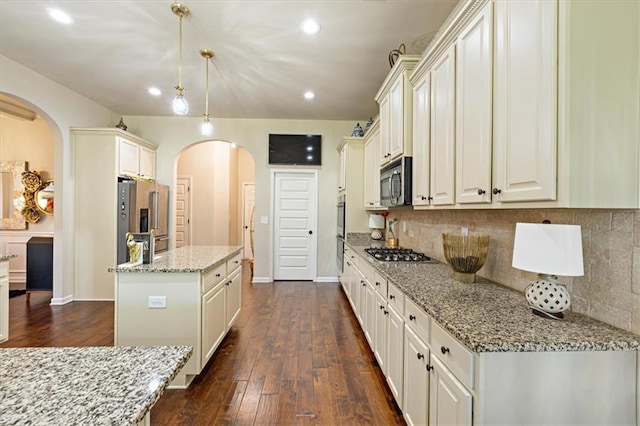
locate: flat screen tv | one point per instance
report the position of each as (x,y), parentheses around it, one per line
(295,150)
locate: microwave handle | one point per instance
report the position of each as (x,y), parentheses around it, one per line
(394,197)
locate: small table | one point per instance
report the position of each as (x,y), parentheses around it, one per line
(39,264)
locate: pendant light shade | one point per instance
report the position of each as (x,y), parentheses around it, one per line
(180,104)
(206,128)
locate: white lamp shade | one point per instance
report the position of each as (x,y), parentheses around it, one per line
(376,221)
(548,249)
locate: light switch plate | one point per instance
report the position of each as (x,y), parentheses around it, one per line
(157,302)
(264,220)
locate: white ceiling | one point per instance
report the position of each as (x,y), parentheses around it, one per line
(115,50)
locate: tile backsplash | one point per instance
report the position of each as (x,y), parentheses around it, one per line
(610,288)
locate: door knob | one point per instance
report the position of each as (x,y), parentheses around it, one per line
(246,227)
(310,232)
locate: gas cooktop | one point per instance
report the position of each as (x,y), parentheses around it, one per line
(396,254)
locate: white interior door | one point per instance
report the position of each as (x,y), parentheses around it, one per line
(294,225)
(183,207)
(248,204)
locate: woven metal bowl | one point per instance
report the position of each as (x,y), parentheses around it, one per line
(466,254)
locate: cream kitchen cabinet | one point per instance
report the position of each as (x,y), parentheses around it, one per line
(342,168)
(449,402)
(395,343)
(416,379)
(442,129)
(380,348)
(351,159)
(474,78)
(214,325)
(372,168)
(395,98)
(421,138)
(96,161)
(233,296)
(136,159)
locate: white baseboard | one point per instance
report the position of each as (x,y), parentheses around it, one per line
(93,300)
(261,280)
(61,300)
(326,279)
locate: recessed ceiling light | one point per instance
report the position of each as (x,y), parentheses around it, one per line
(309,95)
(60,16)
(310,27)
(155,91)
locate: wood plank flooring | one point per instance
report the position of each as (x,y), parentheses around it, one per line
(296,355)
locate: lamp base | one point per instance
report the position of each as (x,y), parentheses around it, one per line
(376,235)
(547,297)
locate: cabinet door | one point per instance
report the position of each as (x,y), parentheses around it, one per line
(525,94)
(214,324)
(396,118)
(395,354)
(416,379)
(442,128)
(385,153)
(129,158)
(370,165)
(474,76)
(342,159)
(449,402)
(4,307)
(358,290)
(147,163)
(370,321)
(421,117)
(233,297)
(380,351)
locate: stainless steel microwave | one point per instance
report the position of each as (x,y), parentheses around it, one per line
(395,183)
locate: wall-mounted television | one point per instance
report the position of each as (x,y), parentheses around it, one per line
(295,150)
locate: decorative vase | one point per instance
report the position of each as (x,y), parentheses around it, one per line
(121,125)
(357,131)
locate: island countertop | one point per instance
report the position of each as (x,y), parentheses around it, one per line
(85,385)
(186,259)
(488,317)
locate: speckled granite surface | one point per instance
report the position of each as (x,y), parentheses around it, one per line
(186,259)
(488,317)
(7,257)
(85,386)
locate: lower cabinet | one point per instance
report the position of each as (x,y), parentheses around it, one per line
(416,379)
(450,403)
(395,354)
(380,347)
(214,324)
(234,296)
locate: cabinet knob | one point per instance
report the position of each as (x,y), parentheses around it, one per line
(420,356)
(218,275)
(444,350)
(429,367)
(496,191)
(363,284)
(377,283)
(391,296)
(381,306)
(386,312)
(412,317)
(430,198)
(422,197)
(481,191)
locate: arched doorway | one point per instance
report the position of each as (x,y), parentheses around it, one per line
(210,194)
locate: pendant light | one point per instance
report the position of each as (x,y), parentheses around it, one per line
(180,104)
(206,128)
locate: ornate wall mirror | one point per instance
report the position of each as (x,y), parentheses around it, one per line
(11,199)
(44,198)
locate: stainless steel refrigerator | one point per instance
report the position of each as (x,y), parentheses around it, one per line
(142,207)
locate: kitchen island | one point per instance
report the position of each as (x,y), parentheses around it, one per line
(4,296)
(478,355)
(188,296)
(85,385)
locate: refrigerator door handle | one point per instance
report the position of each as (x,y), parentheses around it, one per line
(156,219)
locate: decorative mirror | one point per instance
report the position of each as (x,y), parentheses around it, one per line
(11,198)
(38,196)
(44,198)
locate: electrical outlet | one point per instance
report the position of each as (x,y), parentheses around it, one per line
(157,302)
(264,220)
(404,227)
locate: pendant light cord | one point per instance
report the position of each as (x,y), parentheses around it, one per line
(180,56)
(206,101)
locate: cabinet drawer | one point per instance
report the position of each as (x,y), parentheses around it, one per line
(234,263)
(380,285)
(457,358)
(352,257)
(4,269)
(395,298)
(417,320)
(214,277)
(367,270)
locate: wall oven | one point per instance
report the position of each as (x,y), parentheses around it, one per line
(395,183)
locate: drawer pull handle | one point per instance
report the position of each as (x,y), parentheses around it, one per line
(444,350)
(429,367)
(381,306)
(377,283)
(386,312)
(218,275)
(391,296)
(412,317)
(420,356)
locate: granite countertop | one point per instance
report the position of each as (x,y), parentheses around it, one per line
(7,256)
(90,386)
(488,317)
(186,259)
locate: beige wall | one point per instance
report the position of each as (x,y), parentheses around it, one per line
(246,174)
(610,288)
(30,141)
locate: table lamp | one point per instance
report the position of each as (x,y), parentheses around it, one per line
(549,250)
(376,222)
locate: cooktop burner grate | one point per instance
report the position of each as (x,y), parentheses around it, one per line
(396,254)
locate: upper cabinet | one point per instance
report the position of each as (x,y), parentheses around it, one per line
(136,159)
(546,110)
(351,183)
(395,98)
(421,138)
(372,168)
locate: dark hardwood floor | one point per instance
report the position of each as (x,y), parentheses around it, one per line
(295,355)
